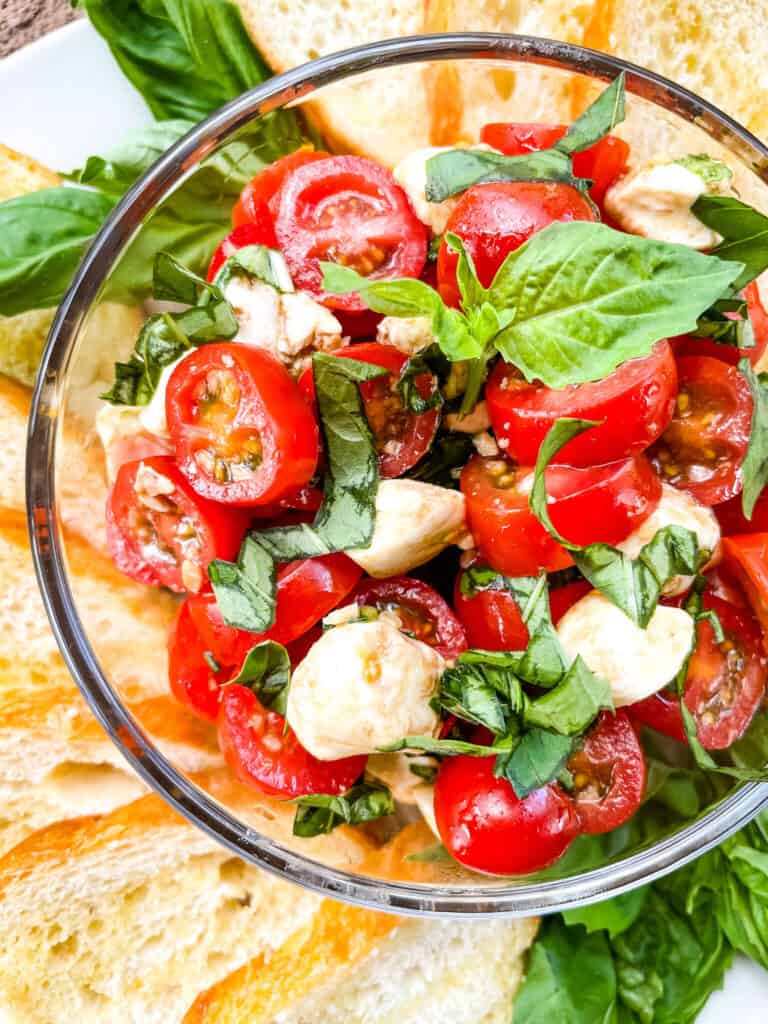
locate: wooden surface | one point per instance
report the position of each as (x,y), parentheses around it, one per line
(22,21)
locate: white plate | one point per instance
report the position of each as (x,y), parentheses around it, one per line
(68,99)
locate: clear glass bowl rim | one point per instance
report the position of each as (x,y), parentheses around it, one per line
(46,540)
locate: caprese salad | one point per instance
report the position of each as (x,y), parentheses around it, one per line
(458,468)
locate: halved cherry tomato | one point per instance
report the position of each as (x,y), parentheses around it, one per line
(702,449)
(265,757)
(563,598)
(348,210)
(491,618)
(604,163)
(422,611)
(486,827)
(599,503)
(401,436)
(493,220)
(608,773)
(261,231)
(262,189)
(745,558)
(687,345)
(635,404)
(243,433)
(161,533)
(307,590)
(194,682)
(733,520)
(724,686)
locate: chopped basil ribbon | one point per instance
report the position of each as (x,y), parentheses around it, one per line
(246,590)
(165,337)
(711,171)
(266,670)
(536,761)
(754,468)
(633,584)
(321,812)
(744,231)
(456,170)
(256,261)
(735,330)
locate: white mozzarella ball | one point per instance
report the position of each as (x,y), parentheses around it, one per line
(152,415)
(414,522)
(635,662)
(408,334)
(363,686)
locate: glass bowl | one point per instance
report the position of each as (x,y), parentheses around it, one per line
(526,79)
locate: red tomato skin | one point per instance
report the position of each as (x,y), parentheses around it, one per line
(228,645)
(491,619)
(687,345)
(315,218)
(192,681)
(604,163)
(493,220)
(270,404)
(262,189)
(611,748)
(220,531)
(261,756)
(733,520)
(635,404)
(450,638)
(420,428)
(745,558)
(259,231)
(721,393)
(660,711)
(487,828)
(563,598)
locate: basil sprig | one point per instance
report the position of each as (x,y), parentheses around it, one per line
(754,468)
(744,231)
(246,590)
(321,813)
(456,170)
(266,670)
(633,584)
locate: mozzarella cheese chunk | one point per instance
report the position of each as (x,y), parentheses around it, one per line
(411,176)
(635,662)
(290,325)
(677,508)
(152,415)
(414,522)
(474,422)
(394,770)
(408,334)
(656,202)
(362,686)
(424,798)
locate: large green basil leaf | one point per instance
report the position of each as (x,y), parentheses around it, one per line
(573,704)
(744,231)
(613,916)
(536,760)
(246,590)
(322,812)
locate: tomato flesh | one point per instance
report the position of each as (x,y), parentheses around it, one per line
(261,190)
(351,211)
(422,611)
(702,449)
(491,618)
(242,431)
(486,827)
(634,406)
(732,519)
(493,220)
(263,756)
(563,598)
(160,532)
(608,773)
(745,558)
(194,682)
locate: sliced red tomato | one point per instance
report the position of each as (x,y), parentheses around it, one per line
(600,503)
(687,345)
(608,773)
(263,756)
(161,533)
(702,449)
(422,611)
(348,210)
(493,220)
(243,433)
(733,520)
(486,827)
(563,598)
(261,231)
(745,558)
(635,404)
(604,163)
(724,686)
(491,618)
(401,436)
(261,190)
(194,681)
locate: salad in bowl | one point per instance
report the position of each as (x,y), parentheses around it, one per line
(458,470)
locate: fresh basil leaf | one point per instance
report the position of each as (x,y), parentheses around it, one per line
(449,452)
(430,855)
(43,236)
(570,286)
(711,171)
(320,813)
(754,468)
(246,591)
(560,433)
(172,281)
(266,669)
(744,231)
(161,342)
(478,691)
(471,291)
(417,369)
(613,916)
(434,746)
(573,704)
(256,261)
(536,760)
(433,250)
(427,772)
(347,516)
(727,330)
(600,117)
(456,170)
